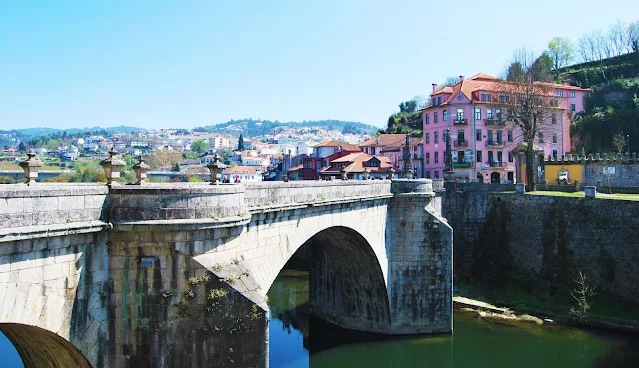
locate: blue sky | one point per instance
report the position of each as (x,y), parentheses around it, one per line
(191,63)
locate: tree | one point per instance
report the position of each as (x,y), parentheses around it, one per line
(449,82)
(583,294)
(542,68)
(240,143)
(22,147)
(633,36)
(515,72)
(408,106)
(198,146)
(176,167)
(619,142)
(526,104)
(561,52)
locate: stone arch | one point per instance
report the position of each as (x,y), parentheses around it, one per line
(347,286)
(42,348)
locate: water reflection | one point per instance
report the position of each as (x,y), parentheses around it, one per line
(9,356)
(475,342)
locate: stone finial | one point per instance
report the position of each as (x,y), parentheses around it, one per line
(112,167)
(367,172)
(344,175)
(141,168)
(214,167)
(409,173)
(391,171)
(31,166)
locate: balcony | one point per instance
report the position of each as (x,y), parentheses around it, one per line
(496,164)
(461,121)
(461,143)
(494,121)
(461,164)
(491,142)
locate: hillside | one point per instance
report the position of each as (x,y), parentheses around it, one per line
(39,132)
(258,128)
(594,73)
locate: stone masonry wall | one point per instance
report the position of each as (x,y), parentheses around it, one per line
(505,235)
(420,262)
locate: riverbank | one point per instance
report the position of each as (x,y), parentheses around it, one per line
(607,311)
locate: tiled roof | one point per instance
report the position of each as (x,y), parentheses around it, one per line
(383,140)
(484,82)
(243,170)
(357,161)
(344,145)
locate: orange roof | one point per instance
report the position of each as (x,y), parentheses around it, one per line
(296,168)
(344,145)
(484,82)
(243,170)
(383,140)
(356,163)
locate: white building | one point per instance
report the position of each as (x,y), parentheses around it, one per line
(256,161)
(243,174)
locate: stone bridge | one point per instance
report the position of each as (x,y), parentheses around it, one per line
(177,274)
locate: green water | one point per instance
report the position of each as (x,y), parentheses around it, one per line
(297,342)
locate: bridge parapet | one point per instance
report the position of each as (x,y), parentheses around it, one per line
(283,193)
(50,209)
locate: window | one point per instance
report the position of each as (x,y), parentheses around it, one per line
(436,137)
(479,159)
(435,116)
(554,137)
(510,136)
(461,157)
(498,114)
(572,107)
(490,157)
(427,173)
(445,115)
(554,102)
(554,154)
(460,114)
(426,118)
(460,136)
(308,164)
(427,138)
(477,114)
(489,113)
(439,100)
(478,134)
(541,137)
(504,99)
(572,94)
(554,118)
(485,97)
(559,92)
(499,137)
(490,137)
(436,174)
(510,157)
(436,157)
(499,156)
(428,157)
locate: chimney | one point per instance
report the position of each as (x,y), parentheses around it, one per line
(461,78)
(434,87)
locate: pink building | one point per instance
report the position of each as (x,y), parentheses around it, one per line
(481,136)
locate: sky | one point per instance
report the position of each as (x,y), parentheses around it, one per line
(182,64)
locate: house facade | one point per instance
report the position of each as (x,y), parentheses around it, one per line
(481,137)
(240,174)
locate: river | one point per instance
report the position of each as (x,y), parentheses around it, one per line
(475,342)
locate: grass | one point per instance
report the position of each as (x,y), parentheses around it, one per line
(605,307)
(619,196)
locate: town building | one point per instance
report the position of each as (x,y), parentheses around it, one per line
(243,174)
(481,137)
(322,156)
(354,165)
(393,146)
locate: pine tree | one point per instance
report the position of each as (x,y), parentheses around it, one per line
(240,143)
